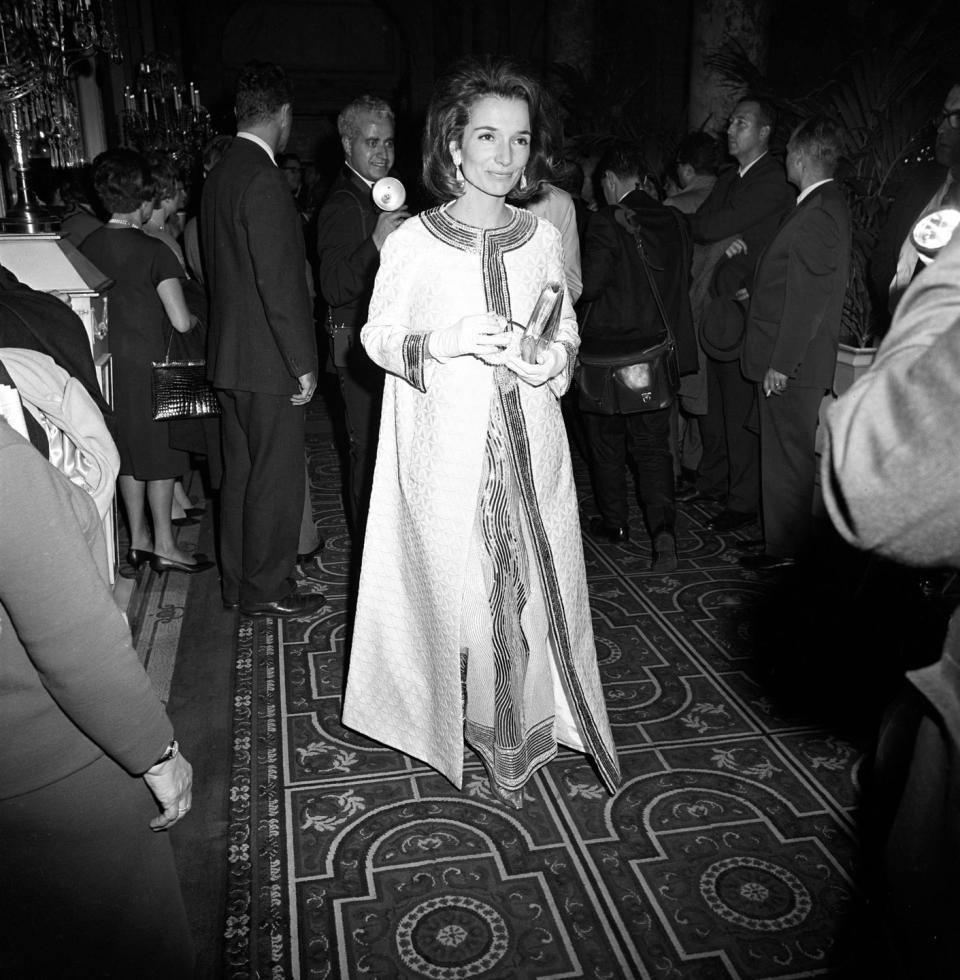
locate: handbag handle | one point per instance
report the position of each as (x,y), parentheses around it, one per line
(626,217)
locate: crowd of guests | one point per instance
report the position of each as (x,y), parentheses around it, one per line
(472,621)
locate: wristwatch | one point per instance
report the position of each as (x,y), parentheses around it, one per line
(171,752)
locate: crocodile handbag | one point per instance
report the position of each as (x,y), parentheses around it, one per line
(180,389)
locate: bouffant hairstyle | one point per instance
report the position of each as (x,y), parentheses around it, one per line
(262,89)
(449,114)
(348,122)
(165,176)
(122,181)
(701,151)
(214,149)
(822,140)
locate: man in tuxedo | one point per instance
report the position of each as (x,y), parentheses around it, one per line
(746,202)
(623,317)
(351,231)
(262,353)
(790,345)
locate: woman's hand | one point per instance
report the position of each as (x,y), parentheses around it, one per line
(480,334)
(549,364)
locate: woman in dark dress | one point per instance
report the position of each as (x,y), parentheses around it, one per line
(145,301)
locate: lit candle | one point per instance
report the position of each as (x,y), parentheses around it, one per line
(196,98)
(177,102)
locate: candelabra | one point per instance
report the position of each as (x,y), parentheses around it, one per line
(160,114)
(40,42)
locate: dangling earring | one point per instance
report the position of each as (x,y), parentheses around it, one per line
(523,179)
(458,176)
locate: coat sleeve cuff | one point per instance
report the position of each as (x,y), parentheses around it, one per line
(414,355)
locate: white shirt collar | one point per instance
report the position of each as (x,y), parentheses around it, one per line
(369,183)
(807,191)
(256,139)
(743,170)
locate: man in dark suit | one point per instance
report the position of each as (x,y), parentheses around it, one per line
(621,317)
(790,345)
(351,231)
(746,202)
(262,354)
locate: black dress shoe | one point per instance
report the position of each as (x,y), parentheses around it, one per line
(161,565)
(289,605)
(616,533)
(766,563)
(197,512)
(664,553)
(184,521)
(731,520)
(138,557)
(303,556)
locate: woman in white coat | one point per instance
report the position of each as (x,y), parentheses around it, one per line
(472,619)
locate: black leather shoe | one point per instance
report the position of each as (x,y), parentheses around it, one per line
(292,604)
(616,533)
(136,557)
(693,496)
(766,563)
(307,555)
(161,565)
(197,512)
(731,520)
(184,521)
(664,553)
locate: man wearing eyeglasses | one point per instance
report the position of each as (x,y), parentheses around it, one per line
(895,260)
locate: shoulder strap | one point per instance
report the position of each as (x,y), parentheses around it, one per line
(628,218)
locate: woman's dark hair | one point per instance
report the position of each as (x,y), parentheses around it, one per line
(165,176)
(449,113)
(122,181)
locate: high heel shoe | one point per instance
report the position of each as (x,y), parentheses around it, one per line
(161,565)
(137,558)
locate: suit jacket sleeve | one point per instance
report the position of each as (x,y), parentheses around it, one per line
(810,282)
(891,472)
(277,254)
(347,253)
(599,260)
(765,197)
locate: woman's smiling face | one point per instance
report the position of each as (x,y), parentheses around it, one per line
(495,146)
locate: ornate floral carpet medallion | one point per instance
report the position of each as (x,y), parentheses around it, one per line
(727,853)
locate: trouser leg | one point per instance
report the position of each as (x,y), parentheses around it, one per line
(788,428)
(713,472)
(649,438)
(608,454)
(743,446)
(361,386)
(273,496)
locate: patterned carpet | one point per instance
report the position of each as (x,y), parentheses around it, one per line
(729,851)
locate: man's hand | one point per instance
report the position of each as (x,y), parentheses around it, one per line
(171,783)
(308,385)
(387,224)
(774,383)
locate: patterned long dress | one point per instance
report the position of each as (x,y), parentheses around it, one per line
(473,619)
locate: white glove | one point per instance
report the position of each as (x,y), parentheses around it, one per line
(550,363)
(480,334)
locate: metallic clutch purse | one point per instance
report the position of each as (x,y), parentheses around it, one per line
(541,329)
